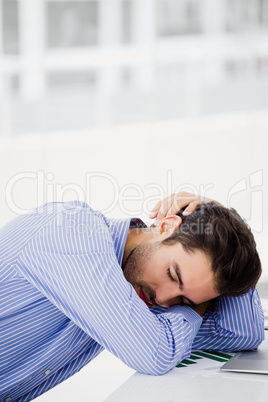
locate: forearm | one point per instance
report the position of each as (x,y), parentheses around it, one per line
(235,323)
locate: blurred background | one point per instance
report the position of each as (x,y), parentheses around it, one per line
(120,102)
(75,64)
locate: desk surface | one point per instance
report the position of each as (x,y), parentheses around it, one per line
(107,379)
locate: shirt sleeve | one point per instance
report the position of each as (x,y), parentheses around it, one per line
(235,323)
(72,262)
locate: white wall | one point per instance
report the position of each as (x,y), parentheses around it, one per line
(223,156)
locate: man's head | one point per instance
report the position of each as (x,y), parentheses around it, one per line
(193,259)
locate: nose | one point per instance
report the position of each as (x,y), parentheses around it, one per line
(167,296)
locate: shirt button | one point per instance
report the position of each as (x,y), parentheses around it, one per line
(47,372)
(8,399)
(255,301)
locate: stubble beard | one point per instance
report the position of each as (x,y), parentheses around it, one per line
(135,264)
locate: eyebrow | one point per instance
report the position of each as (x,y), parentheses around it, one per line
(178,273)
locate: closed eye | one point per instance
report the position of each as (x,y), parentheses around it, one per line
(169,275)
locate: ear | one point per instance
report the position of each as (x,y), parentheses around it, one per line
(168,224)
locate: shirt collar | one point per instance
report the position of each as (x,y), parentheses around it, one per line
(119,230)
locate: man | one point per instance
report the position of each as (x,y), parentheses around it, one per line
(65,296)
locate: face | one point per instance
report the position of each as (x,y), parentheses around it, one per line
(168,275)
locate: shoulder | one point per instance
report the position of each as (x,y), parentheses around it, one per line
(73,228)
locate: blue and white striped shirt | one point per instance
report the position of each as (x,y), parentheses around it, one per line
(64,298)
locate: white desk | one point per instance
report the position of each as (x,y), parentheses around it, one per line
(202,386)
(107,379)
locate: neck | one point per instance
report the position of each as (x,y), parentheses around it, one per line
(136,237)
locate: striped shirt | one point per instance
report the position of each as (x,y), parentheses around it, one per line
(64,299)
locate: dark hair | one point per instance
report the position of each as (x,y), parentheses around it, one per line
(227,240)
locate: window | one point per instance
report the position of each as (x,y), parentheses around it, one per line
(71,23)
(10,26)
(178,17)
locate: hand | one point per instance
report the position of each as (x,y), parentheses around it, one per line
(172,204)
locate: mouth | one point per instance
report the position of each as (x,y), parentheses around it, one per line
(145,297)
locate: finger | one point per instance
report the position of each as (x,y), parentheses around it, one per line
(155,210)
(177,205)
(191,207)
(174,203)
(165,206)
(157,206)
(160,204)
(180,201)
